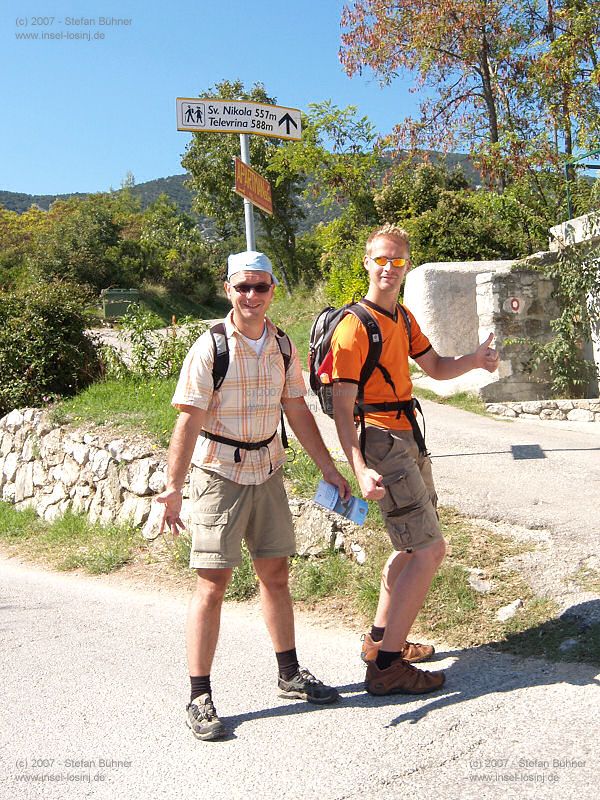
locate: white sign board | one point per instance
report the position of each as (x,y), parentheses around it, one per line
(238,116)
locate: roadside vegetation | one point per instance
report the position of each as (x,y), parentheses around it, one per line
(69,542)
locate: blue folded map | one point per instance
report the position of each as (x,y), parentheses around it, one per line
(353,509)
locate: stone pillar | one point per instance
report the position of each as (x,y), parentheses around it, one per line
(516,304)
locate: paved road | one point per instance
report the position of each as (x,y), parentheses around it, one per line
(541,476)
(92,671)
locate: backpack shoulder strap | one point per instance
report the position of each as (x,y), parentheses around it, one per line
(285,345)
(375,343)
(407,324)
(221,354)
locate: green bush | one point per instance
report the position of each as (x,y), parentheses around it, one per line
(85,243)
(177,255)
(154,354)
(44,352)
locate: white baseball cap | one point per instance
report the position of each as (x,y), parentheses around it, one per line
(249,261)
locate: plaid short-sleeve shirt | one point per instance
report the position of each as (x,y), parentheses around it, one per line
(246,408)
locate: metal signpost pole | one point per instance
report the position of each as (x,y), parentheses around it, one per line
(248,210)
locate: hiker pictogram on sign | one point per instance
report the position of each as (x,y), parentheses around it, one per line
(194,114)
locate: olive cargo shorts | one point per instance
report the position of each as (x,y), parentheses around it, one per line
(409,507)
(223,513)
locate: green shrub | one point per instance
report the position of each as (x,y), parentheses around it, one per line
(44,352)
(577,280)
(313,579)
(154,354)
(85,242)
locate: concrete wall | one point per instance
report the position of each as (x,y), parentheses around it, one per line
(442,296)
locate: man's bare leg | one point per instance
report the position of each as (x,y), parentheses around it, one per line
(408,594)
(204,619)
(276,601)
(392,569)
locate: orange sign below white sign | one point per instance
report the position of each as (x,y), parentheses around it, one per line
(251,185)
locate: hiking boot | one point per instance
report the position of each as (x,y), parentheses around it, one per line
(412,651)
(202,719)
(401,678)
(305,686)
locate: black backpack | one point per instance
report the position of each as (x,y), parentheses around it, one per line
(219,371)
(319,354)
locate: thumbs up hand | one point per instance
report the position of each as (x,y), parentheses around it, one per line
(485,356)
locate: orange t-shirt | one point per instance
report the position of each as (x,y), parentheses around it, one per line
(350,346)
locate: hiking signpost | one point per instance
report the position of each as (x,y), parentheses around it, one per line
(244,117)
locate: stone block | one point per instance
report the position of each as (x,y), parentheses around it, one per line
(136,476)
(550,413)
(564,405)
(30,447)
(67,472)
(532,407)
(51,449)
(151,529)
(79,451)
(100,463)
(13,421)
(10,466)
(158,481)
(24,482)
(7,443)
(134,509)
(507,612)
(580,415)
(316,530)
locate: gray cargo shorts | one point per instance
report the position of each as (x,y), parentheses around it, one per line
(409,508)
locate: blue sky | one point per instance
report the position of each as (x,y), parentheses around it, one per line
(77,115)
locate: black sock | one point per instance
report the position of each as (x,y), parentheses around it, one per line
(385,658)
(200,684)
(287,662)
(377,633)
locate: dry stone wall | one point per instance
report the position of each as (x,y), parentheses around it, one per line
(571,410)
(49,468)
(113,478)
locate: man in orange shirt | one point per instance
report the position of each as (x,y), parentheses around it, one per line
(395,468)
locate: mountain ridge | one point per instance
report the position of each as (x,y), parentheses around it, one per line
(174,186)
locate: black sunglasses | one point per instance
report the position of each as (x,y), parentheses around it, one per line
(245,288)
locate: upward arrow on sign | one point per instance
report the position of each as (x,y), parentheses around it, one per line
(286,119)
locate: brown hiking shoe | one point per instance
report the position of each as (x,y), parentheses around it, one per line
(401,678)
(412,652)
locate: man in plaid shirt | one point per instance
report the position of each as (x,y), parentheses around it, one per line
(231,434)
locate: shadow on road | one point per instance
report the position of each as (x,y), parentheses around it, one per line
(509,452)
(475,672)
